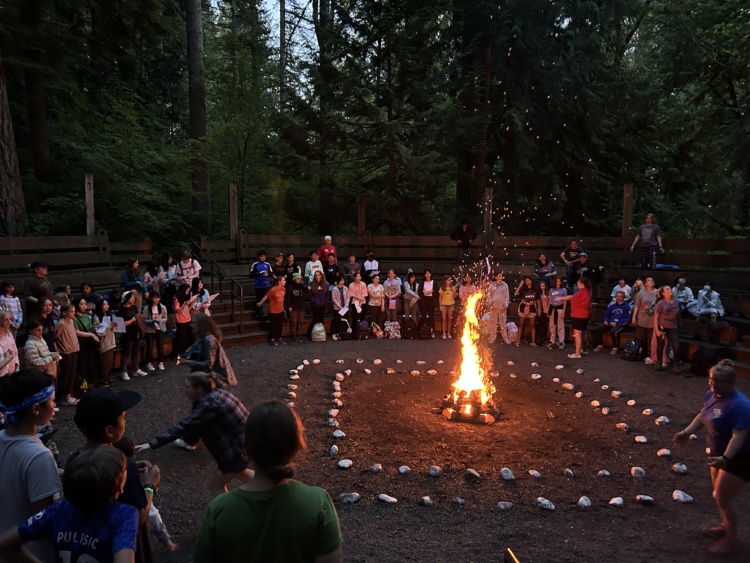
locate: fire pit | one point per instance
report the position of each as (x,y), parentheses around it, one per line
(471,398)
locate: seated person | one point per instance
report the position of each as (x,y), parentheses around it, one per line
(683,294)
(625,288)
(615,320)
(707,305)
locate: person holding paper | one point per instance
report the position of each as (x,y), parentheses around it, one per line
(88,342)
(392,288)
(340,296)
(358,294)
(131,340)
(155,316)
(106,332)
(203,299)
(377,301)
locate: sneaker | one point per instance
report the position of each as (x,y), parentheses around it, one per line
(180,443)
(507,341)
(599,348)
(649,362)
(444,336)
(533,344)
(69,402)
(104,383)
(561,346)
(124,376)
(574,356)
(150,367)
(56,410)
(161,366)
(334,337)
(450,335)
(140,373)
(272,342)
(613,352)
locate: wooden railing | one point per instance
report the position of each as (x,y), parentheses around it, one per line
(237,296)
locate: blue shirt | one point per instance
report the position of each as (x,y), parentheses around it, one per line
(722,415)
(261,272)
(619,314)
(79,537)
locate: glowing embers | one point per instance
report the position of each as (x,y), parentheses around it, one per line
(471,398)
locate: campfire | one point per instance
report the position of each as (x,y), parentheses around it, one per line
(471,397)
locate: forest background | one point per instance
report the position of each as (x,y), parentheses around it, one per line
(415,106)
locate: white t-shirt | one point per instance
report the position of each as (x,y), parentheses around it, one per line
(427,287)
(29,474)
(189,270)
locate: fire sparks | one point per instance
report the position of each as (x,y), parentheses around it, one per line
(473,379)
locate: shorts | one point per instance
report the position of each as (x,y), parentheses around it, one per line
(580,324)
(739,466)
(527,315)
(237,465)
(446,307)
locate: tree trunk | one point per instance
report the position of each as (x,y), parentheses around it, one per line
(322,18)
(13,219)
(197,107)
(282,54)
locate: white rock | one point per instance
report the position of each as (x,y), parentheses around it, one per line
(425,501)
(336,394)
(420,362)
(536,376)
(621,426)
(306,362)
(459,501)
(367,371)
(316,361)
(534,365)
(340,377)
(579,371)
(387,499)
(616,394)
(506,474)
(605,387)
(338,403)
(377,362)
(510,363)
(641,439)
(579,395)
(292,386)
(681,496)
(360,361)
(294,377)
(399,361)
(336,386)
(544,503)
(349,497)
(290,404)
(693,437)
(661,421)
(637,472)
(473,474)
(596,404)
(404,470)
(345,463)
(494,374)
(338,434)
(432,372)
(555,380)
(559,367)
(348,372)
(584,502)
(568,472)
(502,505)
(664,452)
(390,371)
(535,474)
(333,423)
(645,499)
(605,411)
(435,471)
(513,376)
(414,372)
(568,386)
(339,361)
(293,372)
(440,362)
(376,468)
(291,395)
(597,380)
(680,468)
(603,473)
(334,450)
(631,402)
(333,412)
(616,502)
(648,412)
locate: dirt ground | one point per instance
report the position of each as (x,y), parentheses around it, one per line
(387,419)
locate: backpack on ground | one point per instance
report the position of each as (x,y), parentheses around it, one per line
(426,332)
(409,329)
(392,330)
(345,330)
(318,333)
(362,330)
(633,350)
(512,331)
(377,332)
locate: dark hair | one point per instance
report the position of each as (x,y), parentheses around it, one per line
(87,284)
(339,278)
(126,445)
(274,435)
(152,268)
(20,385)
(546,259)
(100,307)
(201,379)
(90,481)
(426,270)
(288,254)
(312,252)
(277,280)
(32,324)
(165,260)
(153,295)
(203,325)
(130,270)
(194,285)
(558,279)
(586,283)
(183,293)
(410,276)
(4,286)
(65,307)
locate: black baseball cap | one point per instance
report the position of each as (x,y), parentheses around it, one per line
(101,406)
(38,264)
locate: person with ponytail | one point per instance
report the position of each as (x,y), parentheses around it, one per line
(217,419)
(273,517)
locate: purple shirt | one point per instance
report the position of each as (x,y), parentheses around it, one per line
(722,415)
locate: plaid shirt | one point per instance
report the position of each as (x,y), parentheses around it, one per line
(13,306)
(219,419)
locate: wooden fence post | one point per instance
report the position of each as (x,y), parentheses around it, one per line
(233,224)
(88,192)
(360,214)
(627,208)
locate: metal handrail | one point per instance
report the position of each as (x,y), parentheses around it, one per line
(217,272)
(239,294)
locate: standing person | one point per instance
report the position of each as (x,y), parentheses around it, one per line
(202,302)
(312,266)
(642,318)
(623,287)
(726,416)
(9,361)
(616,318)
(36,352)
(648,240)
(319,296)
(218,419)
(580,312)
(447,301)
(66,343)
(304,527)
(542,314)
(11,304)
(527,308)
(88,342)
(188,268)
(275,298)
(45,317)
(586,269)
(279,268)
(87,525)
(411,296)
(155,318)
(151,277)
(340,297)
(331,270)
(371,267)
(570,257)
(327,248)
(182,305)
(683,294)
(30,480)
(100,416)
(296,293)
(557,305)
(91,296)
(167,280)
(463,235)
(545,270)
(261,272)
(291,268)
(206,353)
(376,301)
(37,287)
(667,329)
(427,293)
(131,340)
(358,295)
(467,288)
(392,292)
(351,268)
(498,300)
(133,281)
(106,343)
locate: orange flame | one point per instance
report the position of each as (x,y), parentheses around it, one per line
(473,377)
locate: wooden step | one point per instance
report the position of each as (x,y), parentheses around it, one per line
(741,353)
(746,340)
(742,369)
